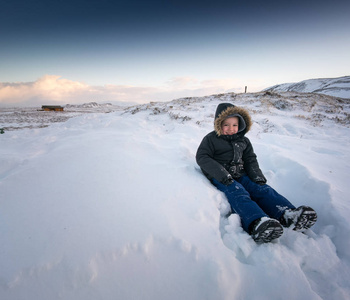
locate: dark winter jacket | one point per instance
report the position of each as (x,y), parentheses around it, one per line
(219,155)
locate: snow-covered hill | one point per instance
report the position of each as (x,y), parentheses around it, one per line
(338,87)
(113,206)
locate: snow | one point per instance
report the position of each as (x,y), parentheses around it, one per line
(113,206)
(336,87)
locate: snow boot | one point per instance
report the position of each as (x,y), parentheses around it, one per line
(264,230)
(301,218)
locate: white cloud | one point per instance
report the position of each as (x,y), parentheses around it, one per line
(52,89)
(49,88)
(181,82)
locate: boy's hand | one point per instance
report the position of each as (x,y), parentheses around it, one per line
(227,180)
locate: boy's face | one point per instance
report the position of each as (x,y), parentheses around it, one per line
(230,126)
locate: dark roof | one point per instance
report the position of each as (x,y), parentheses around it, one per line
(52,106)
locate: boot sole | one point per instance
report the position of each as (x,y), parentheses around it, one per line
(307,219)
(267,232)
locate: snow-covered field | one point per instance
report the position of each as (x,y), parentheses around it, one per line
(113,206)
(14,118)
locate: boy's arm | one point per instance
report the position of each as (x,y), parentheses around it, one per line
(251,165)
(210,167)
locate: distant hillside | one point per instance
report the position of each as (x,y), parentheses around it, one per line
(337,87)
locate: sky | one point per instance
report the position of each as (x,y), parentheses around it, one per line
(140,51)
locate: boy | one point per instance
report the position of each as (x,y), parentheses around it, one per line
(228,160)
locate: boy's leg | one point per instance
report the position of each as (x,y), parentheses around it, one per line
(241,203)
(271,202)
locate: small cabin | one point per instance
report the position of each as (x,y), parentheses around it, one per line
(52,108)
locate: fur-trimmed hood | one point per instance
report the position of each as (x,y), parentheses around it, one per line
(225,110)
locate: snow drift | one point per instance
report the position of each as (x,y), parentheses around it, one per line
(113,206)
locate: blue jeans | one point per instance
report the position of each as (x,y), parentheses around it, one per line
(252,201)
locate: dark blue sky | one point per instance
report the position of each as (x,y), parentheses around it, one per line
(154,18)
(148,43)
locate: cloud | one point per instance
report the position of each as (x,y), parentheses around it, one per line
(215,85)
(181,82)
(52,89)
(49,88)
